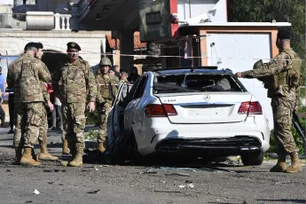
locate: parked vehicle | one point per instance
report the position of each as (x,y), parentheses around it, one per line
(191,111)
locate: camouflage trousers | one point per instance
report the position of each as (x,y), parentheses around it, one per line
(43,129)
(282,114)
(74,124)
(27,123)
(102,132)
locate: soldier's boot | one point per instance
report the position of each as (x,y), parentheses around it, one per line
(72,149)
(295,164)
(101,148)
(27,158)
(18,154)
(65,149)
(281,163)
(34,155)
(78,158)
(45,155)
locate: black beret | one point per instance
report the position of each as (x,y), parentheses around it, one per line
(284,33)
(40,45)
(73,45)
(33,44)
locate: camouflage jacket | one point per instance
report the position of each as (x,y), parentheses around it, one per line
(103,88)
(24,76)
(74,82)
(45,93)
(277,65)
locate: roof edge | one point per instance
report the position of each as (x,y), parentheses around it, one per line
(237,24)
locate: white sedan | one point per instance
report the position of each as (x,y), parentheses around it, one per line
(199,112)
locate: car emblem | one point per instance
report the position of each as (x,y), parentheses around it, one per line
(206,97)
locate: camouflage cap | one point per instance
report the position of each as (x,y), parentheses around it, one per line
(105,61)
(73,45)
(284,33)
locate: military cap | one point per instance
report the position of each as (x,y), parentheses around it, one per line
(105,61)
(284,33)
(33,44)
(73,45)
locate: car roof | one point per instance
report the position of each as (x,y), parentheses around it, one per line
(204,70)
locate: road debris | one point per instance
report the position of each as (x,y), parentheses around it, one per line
(36,192)
(166,191)
(93,192)
(148,171)
(177,174)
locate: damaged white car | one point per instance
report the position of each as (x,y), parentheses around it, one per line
(201,112)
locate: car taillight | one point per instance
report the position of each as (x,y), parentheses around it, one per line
(250,108)
(157,110)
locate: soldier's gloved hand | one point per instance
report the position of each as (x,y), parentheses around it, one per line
(91,106)
(51,106)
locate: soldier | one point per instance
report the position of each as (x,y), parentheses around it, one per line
(24,76)
(106,85)
(43,129)
(42,137)
(73,82)
(281,76)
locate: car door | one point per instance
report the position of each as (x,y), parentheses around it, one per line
(115,117)
(133,114)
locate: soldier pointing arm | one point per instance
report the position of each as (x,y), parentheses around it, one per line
(281,76)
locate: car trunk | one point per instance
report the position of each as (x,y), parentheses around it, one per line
(205,108)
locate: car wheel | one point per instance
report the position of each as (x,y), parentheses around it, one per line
(252,158)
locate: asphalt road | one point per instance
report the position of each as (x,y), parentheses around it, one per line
(226,182)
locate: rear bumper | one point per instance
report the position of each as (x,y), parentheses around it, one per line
(232,137)
(216,146)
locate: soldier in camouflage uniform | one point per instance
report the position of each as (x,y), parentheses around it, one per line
(74,82)
(43,129)
(42,137)
(106,84)
(24,76)
(281,76)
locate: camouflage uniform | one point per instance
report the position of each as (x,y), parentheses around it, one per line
(284,97)
(24,76)
(72,83)
(282,77)
(13,67)
(104,101)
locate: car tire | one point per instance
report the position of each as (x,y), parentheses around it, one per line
(252,158)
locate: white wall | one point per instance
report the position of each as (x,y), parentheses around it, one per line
(215,10)
(239,52)
(90,42)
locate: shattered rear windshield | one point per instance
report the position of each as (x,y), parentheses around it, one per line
(195,83)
